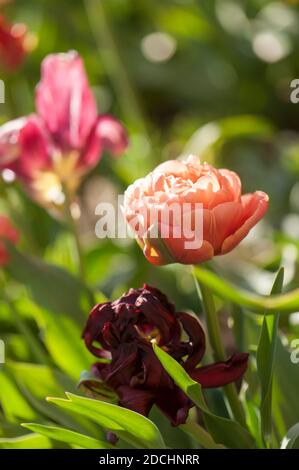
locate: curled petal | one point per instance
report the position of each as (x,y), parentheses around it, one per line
(221,373)
(100,314)
(254,206)
(197,341)
(111,134)
(24,146)
(9,141)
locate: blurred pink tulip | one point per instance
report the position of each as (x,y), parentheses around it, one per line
(55,148)
(227,215)
(7,232)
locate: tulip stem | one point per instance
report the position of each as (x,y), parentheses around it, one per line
(213,327)
(74,229)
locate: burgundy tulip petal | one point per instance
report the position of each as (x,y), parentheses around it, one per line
(174,404)
(100,314)
(197,341)
(221,373)
(136,399)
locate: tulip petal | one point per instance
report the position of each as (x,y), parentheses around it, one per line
(34,148)
(197,341)
(9,141)
(112,134)
(227,219)
(174,404)
(136,399)
(64,100)
(254,206)
(221,373)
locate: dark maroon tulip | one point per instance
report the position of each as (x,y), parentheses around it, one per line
(122,331)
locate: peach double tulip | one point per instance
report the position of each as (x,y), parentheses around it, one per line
(227,215)
(7,232)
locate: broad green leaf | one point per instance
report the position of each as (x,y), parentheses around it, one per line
(29,441)
(131,426)
(284,303)
(39,379)
(62,337)
(291,440)
(223,430)
(52,287)
(65,435)
(11,400)
(35,382)
(265,362)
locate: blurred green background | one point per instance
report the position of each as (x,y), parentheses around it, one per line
(184,76)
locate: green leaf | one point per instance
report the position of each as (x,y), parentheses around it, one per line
(52,287)
(34,382)
(284,303)
(29,441)
(62,337)
(12,401)
(65,435)
(223,430)
(265,362)
(291,439)
(131,426)
(200,435)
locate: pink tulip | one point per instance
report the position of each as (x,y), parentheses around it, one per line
(56,147)
(7,232)
(227,216)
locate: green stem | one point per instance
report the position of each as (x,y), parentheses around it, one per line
(73,226)
(74,229)
(218,350)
